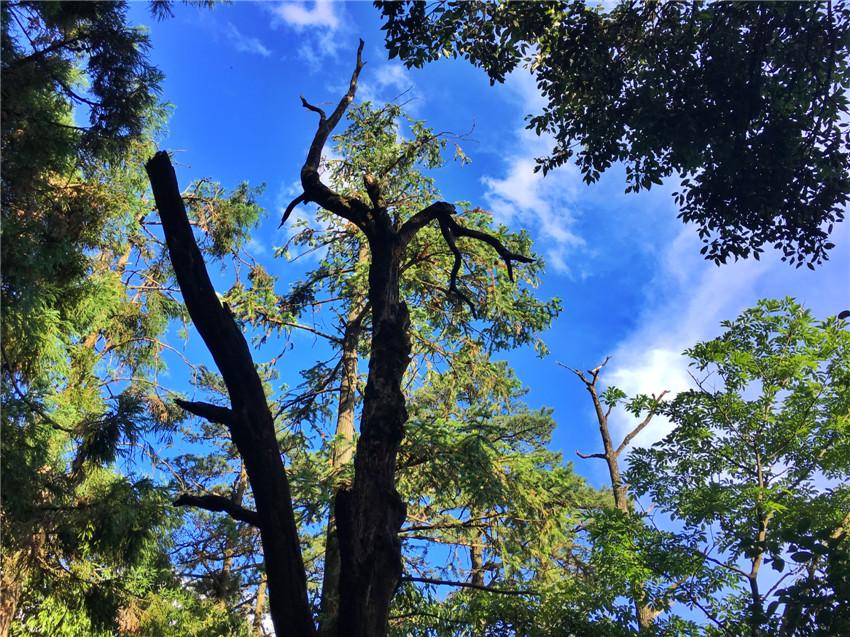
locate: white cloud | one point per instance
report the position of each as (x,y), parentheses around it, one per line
(244,43)
(318,22)
(301,15)
(685,303)
(524,198)
(256,248)
(388,83)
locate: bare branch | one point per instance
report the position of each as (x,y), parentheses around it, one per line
(596,370)
(442,211)
(315,109)
(450,241)
(577,372)
(219,504)
(480,587)
(207,411)
(302,198)
(507,256)
(588,456)
(349,208)
(422,219)
(634,432)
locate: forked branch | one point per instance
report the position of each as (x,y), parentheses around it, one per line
(442,212)
(349,208)
(634,432)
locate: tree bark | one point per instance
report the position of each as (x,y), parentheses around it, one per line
(370,514)
(645,615)
(250,422)
(343,452)
(260,609)
(11,586)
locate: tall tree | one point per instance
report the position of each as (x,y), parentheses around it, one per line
(370,513)
(603,405)
(86,298)
(384,143)
(745,101)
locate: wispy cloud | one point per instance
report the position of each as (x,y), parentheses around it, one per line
(318,22)
(387,83)
(521,197)
(686,301)
(244,43)
(301,15)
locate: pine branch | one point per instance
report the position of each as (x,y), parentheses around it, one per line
(480,587)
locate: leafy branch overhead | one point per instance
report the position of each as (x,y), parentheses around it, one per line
(744,102)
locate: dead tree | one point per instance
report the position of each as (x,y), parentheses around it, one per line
(611,455)
(370,513)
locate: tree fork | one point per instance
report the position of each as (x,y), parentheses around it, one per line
(369,515)
(252,424)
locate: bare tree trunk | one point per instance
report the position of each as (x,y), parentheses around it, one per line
(249,419)
(644,614)
(370,515)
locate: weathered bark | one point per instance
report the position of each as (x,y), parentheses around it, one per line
(644,614)
(476,562)
(11,587)
(249,420)
(370,515)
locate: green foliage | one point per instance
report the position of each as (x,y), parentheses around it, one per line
(759,458)
(87,297)
(743,100)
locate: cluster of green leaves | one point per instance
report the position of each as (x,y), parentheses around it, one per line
(87,297)
(745,101)
(758,461)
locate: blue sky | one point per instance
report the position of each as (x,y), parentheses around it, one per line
(628,272)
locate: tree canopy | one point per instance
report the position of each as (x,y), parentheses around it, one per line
(402,481)
(744,102)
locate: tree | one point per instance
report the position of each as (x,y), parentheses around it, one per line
(603,405)
(758,462)
(505,315)
(85,299)
(744,101)
(370,513)
(316,420)
(479,482)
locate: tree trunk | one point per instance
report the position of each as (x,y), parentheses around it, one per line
(343,452)
(644,614)
(11,587)
(370,514)
(260,609)
(249,420)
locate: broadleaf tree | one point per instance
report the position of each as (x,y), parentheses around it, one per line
(745,102)
(757,464)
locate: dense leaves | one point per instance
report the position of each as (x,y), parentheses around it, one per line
(758,461)
(744,101)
